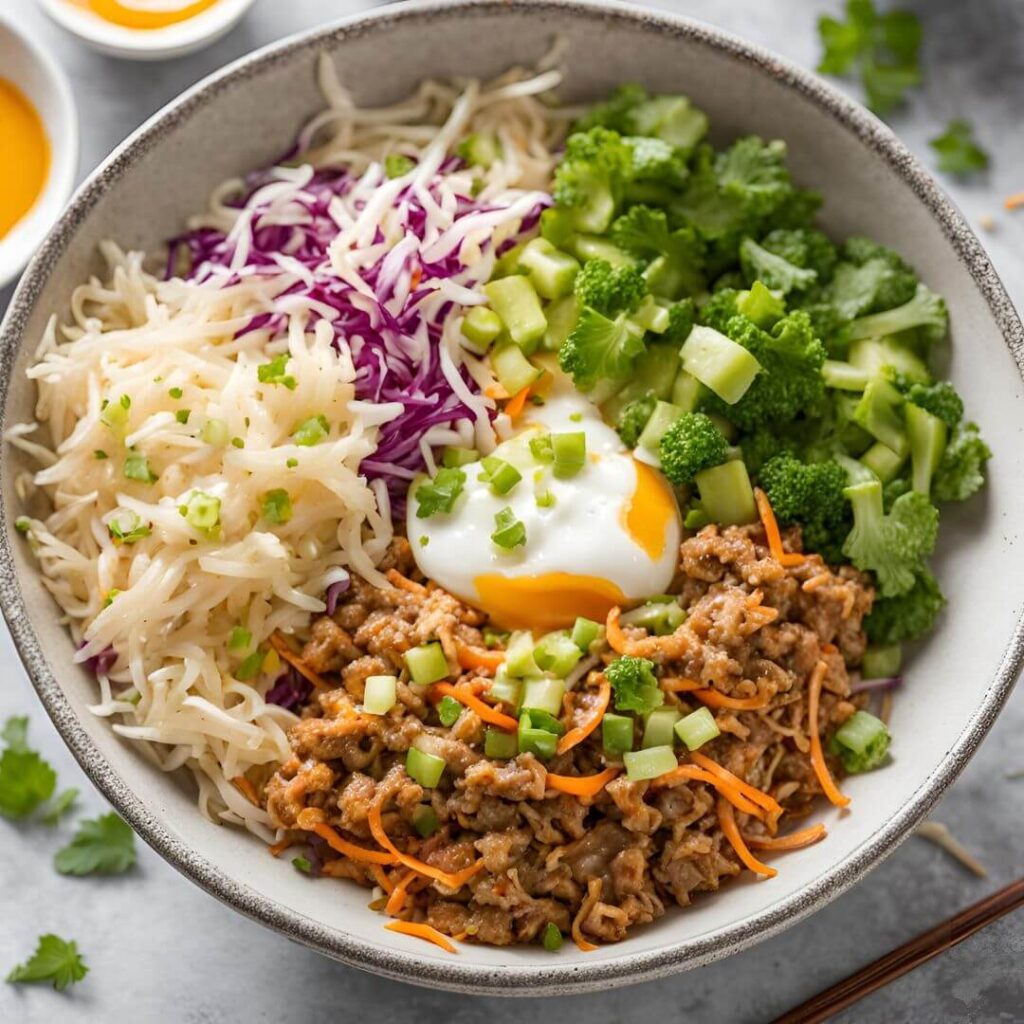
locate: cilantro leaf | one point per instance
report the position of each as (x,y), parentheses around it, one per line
(102,846)
(60,806)
(957,150)
(634,684)
(54,960)
(26,780)
(15,732)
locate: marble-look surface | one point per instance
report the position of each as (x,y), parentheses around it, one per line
(160,950)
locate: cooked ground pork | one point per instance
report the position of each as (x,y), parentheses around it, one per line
(597,864)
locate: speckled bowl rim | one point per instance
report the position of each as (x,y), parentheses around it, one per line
(453,975)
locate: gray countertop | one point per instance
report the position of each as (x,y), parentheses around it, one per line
(161,950)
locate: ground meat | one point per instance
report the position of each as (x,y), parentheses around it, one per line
(754,631)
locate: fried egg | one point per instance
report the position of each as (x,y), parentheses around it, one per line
(609,535)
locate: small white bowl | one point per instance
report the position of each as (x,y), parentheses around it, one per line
(33,71)
(147,44)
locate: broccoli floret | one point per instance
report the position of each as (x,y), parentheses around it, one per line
(940,399)
(790,381)
(592,176)
(691,444)
(961,471)
(764,444)
(804,247)
(634,417)
(810,494)
(773,271)
(656,162)
(755,171)
(616,112)
(861,743)
(895,620)
(869,279)
(681,318)
(720,309)
(634,684)
(895,489)
(677,255)
(893,545)
(609,290)
(599,348)
(925,313)
(630,111)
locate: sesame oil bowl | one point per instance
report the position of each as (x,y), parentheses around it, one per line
(244,117)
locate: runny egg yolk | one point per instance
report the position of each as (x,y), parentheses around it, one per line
(25,165)
(128,16)
(650,510)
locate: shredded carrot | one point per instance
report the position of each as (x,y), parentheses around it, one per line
(684,771)
(399,893)
(695,774)
(350,850)
(594,887)
(829,787)
(714,699)
(278,642)
(727,819)
(516,404)
(613,632)
(771,529)
(495,391)
(247,789)
(793,841)
(679,684)
(421,931)
(278,848)
(1014,201)
(582,785)
(464,693)
(415,277)
(396,579)
(382,878)
(830,648)
(752,793)
(581,732)
(474,657)
(453,881)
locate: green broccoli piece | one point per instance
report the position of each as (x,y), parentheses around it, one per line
(810,494)
(609,290)
(634,417)
(634,684)
(895,489)
(940,399)
(861,743)
(804,247)
(592,176)
(869,279)
(681,318)
(693,443)
(790,381)
(653,161)
(630,111)
(720,308)
(893,545)
(895,620)
(961,470)
(599,348)
(925,313)
(763,444)
(615,112)
(675,257)
(755,171)
(776,273)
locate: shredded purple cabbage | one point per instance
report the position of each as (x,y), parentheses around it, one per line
(334,592)
(290,690)
(882,683)
(100,664)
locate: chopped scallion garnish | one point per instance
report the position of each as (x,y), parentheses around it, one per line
(441,493)
(215,432)
(500,745)
(136,467)
(697,728)
(240,639)
(175,392)
(127,528)
(99,453)
(509,532)
(202,511)
(502,476)
(311,432)
(274,372)
(551,938)
(182,415)
(570,453)
(449,711)
(426,663)
(424,820)
(277,506)
(424,768)
(250,667)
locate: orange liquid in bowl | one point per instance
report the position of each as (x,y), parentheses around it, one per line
(145,18)
(25,149)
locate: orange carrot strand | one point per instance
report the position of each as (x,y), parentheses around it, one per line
(818,762)
(278,642)
(793,841)
(516,404)
(714,699)
(727,819)
(582,785)
(581,732)
(421,931)
(771,530)
(350,850)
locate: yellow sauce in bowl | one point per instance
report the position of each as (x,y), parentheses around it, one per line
(145,18)
(25,164)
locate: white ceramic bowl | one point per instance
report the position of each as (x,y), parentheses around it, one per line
(34,72)
(246,116)
(148,44)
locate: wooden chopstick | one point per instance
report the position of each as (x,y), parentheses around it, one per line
(908,956)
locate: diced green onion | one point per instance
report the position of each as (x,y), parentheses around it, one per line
(449,711)
(506,689)
(215,432)
(515,300)
(844,376)
(687,392)
(545,500)
(302,864)
(562,315)
(501,745)
(649,763)
(585,633)
(570,453)
(453,458)
(250,667)
(500,475)
(481,326)
(551,271)
(695,519)
(556,653)
(861,741)
(479,149)
(240,639)
(663,416)
(291,463)
(237,442)
(651,316)
(881,662)
(397,165)
(495,637)
(380,694)
(274,372)
(551,938)
(440,493)
(424,768)
(182,415)
(533,740)
(424,820)
(202,511)
(519,655)
(136,467)
(23,524)
(697,728)
(127,528)
(540,448)
(99,453)
(540,719)
(311,431)
(509,532)
(719,363)
(277,506)
(175,392)
(658,728)
(660,617)
(544,695)
(513,370)
(115,414)
(426,663)
(726,495)
(616,733)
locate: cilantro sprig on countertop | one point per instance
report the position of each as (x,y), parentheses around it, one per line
(101,846)
(957,149)
(26,780)
(54,960)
